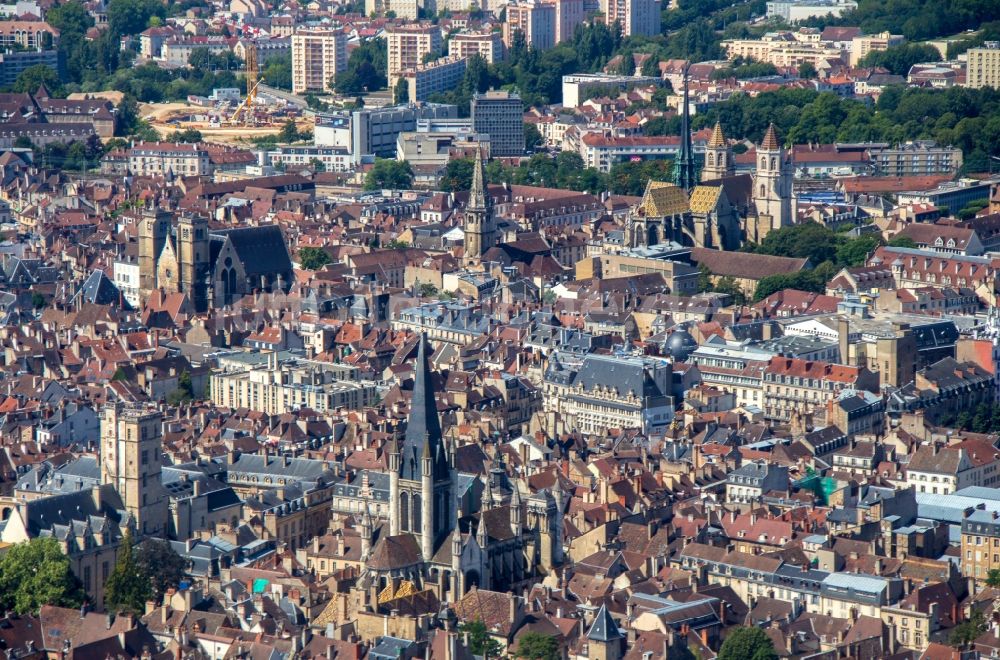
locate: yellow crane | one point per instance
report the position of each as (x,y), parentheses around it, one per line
(253,81)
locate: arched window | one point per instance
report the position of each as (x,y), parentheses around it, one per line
(711,159)
(404,512)
(418,514)
(763,190)
(763,163)
(774,164)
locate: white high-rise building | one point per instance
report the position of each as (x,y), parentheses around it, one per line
(318,54)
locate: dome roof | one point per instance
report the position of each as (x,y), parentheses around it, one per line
(680,344)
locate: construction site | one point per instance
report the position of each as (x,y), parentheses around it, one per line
(227,116)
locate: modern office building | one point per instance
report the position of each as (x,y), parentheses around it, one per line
(501,115)
(407,45)
(318,54)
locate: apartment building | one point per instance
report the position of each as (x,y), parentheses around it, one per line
(944,470)
(569,14)
(783,49)
(637,17)
(408,9)
(602,392)
(916,158)
(501,116)
(869,43)
(535,20)
(318,54)
(794,386)
(983,66)
(980,544)
(278,388)
(407,45)
(487,45)
(437,76)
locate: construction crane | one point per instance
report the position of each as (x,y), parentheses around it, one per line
(253,81)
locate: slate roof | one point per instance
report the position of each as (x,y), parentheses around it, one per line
(604,628)
(395,552)
(423,430)
(100,290)
(261,249)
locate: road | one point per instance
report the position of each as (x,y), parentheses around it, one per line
(281,94)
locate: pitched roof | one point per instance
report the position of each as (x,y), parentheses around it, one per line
(717,139)
(662,199)
(770,141)
(604,628)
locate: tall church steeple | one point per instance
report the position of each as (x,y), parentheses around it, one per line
(420,480)
(480,225)
(684,167)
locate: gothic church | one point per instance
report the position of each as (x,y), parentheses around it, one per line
(441,540)
(213,268)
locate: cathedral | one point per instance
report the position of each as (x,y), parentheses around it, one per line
(724,209)
(213,268)
(447,540)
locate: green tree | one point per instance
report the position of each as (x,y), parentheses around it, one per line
(314,258)
(651,67)
(33,77)
(899,59)
(184,391)
(37,573)
(480,641)
(69,17)
(126,17)
(289,132)
(532,137)
(402,92)
(37,300)
(855,252)
(457,175)
(367,69)
(807,71)
(387,173)
(747,643)
(728,286)
(993,578)
(538,646)
(965,633)
(192,135)
(160,564)
(277,72)
(127,588)
(902,242)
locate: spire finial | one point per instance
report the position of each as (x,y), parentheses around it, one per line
(684,167)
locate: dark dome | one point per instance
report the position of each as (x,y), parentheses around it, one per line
(680,344)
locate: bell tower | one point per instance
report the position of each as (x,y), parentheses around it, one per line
(718,156)
(154,228)
(192,259)
(480,225)
(131,451)
(772,193)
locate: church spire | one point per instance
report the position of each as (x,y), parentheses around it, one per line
(423,430)
(684,168)
(478,198)
(718,139)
